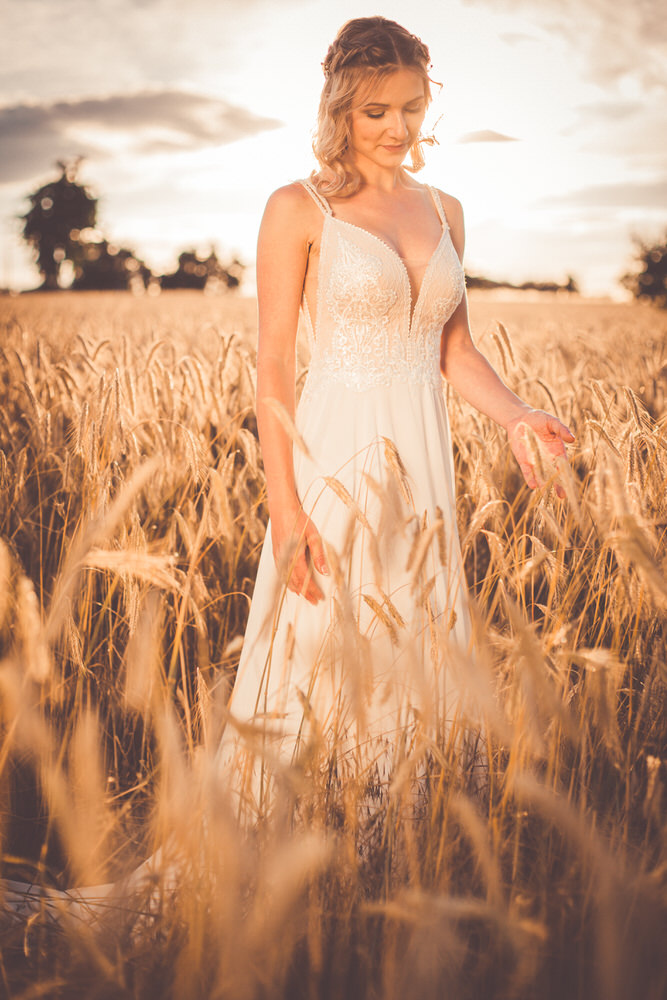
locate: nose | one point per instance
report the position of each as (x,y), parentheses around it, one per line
(398,128)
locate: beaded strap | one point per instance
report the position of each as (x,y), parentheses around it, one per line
(317,197)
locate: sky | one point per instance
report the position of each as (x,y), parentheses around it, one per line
(551,122)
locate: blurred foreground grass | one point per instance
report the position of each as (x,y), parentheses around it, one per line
(131,516)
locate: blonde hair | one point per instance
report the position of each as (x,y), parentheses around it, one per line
(365,50)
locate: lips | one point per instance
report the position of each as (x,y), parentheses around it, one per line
(395,149)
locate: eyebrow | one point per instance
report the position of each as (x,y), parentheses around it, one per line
(376,104)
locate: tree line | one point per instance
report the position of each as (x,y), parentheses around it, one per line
(61,226)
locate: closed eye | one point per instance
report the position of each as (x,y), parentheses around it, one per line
(408,111)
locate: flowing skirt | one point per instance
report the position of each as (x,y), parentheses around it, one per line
(368,672)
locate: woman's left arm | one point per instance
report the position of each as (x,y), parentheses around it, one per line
(478,382)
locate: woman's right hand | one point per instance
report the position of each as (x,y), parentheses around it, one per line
(297,548)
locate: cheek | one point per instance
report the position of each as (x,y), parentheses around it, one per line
(363,130)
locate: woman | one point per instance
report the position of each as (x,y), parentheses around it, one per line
(373,259)
(358,619)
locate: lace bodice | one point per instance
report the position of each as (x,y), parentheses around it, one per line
(367,331)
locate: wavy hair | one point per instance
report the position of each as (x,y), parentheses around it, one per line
(365,50)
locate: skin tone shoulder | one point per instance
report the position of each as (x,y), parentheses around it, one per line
(393,206)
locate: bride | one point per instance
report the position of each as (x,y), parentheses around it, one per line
(373,260)
(359,621)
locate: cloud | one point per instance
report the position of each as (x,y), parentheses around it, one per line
(637,194)
(608,111)
(486,135)
(517,38)
(34,135)
(53,49)
(615,39)
(630,131)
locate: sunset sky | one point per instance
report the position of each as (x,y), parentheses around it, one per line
(554,118)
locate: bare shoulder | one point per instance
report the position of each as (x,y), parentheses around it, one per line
(289,197)
(293,210)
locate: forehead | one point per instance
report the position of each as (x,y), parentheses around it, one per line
(398,87)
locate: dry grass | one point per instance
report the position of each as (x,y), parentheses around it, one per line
(132,513)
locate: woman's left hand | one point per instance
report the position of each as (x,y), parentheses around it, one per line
(552,436)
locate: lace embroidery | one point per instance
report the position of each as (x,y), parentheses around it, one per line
(355,292)
(364,335)
(449,281)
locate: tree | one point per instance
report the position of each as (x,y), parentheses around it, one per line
(60,211)
(60,226)
(649,281)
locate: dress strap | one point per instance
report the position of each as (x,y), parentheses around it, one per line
(318,198)
(438,205)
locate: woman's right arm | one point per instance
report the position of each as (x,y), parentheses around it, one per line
(285,236)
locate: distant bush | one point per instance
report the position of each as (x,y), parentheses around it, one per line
(203,272)
(649,281)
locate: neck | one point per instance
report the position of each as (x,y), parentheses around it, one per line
(385,179)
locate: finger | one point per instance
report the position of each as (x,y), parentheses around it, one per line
(312,591)
(296,572)
(560,492)
(558,428)
(305,588)
(316,548)
(553,481)
(564,433)
(529,475)
(302,582)
(314,594)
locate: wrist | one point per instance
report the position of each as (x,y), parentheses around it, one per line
(284,508)
(516,415)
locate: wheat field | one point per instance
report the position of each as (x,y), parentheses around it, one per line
(131,518)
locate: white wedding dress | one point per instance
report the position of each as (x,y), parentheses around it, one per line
(368,674)
(368,671)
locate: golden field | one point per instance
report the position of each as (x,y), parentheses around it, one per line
(131,517)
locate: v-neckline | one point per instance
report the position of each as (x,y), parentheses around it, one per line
(413,304)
